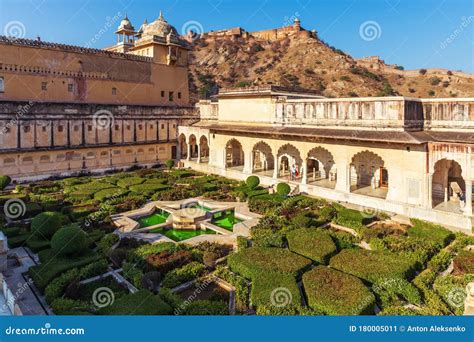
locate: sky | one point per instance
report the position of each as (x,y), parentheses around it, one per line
(411,33)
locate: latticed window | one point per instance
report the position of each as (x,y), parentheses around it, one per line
(2,85)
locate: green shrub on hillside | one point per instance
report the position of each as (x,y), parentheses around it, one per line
(432,232)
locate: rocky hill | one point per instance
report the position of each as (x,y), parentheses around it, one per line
(298,58)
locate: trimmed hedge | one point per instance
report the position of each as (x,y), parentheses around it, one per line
(283,189)
(106,194)
(315,244)
(251,262)
(439,235)
(44,225)
(275,289)
(69,240)
(183,274)
(4,182)
(337,293)
(252,182)
(53,265)
(140,303)
(129,181)
(373,266)
(351,218)
(148,188)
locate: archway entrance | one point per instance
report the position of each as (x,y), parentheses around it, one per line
(368,175)
(321,168)
(263,161)
(193,147)
(204,149)
(234,155)
(448,191)
(289,163)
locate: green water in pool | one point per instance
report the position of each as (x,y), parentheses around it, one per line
(151,220)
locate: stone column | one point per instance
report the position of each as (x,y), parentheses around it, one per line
(188,157)
(199,153)
(276,166)
(248,161)
(430,191)
(468,196)
(304,172)
(343,182)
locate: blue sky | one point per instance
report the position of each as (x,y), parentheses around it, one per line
(412,33)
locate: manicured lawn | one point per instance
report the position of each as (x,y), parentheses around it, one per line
(337,293)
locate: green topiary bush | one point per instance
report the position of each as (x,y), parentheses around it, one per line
(373,266)
(254,261)
(283,189)
(106,194)
(44,225)
(169,164)
(315,244)
(337,293)
(252,182)
(4,182)
(69,240)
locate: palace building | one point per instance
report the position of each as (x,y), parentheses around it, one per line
(67,109)
(408,156)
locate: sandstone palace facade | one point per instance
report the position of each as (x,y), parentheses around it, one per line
(402,155)
(66,109)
